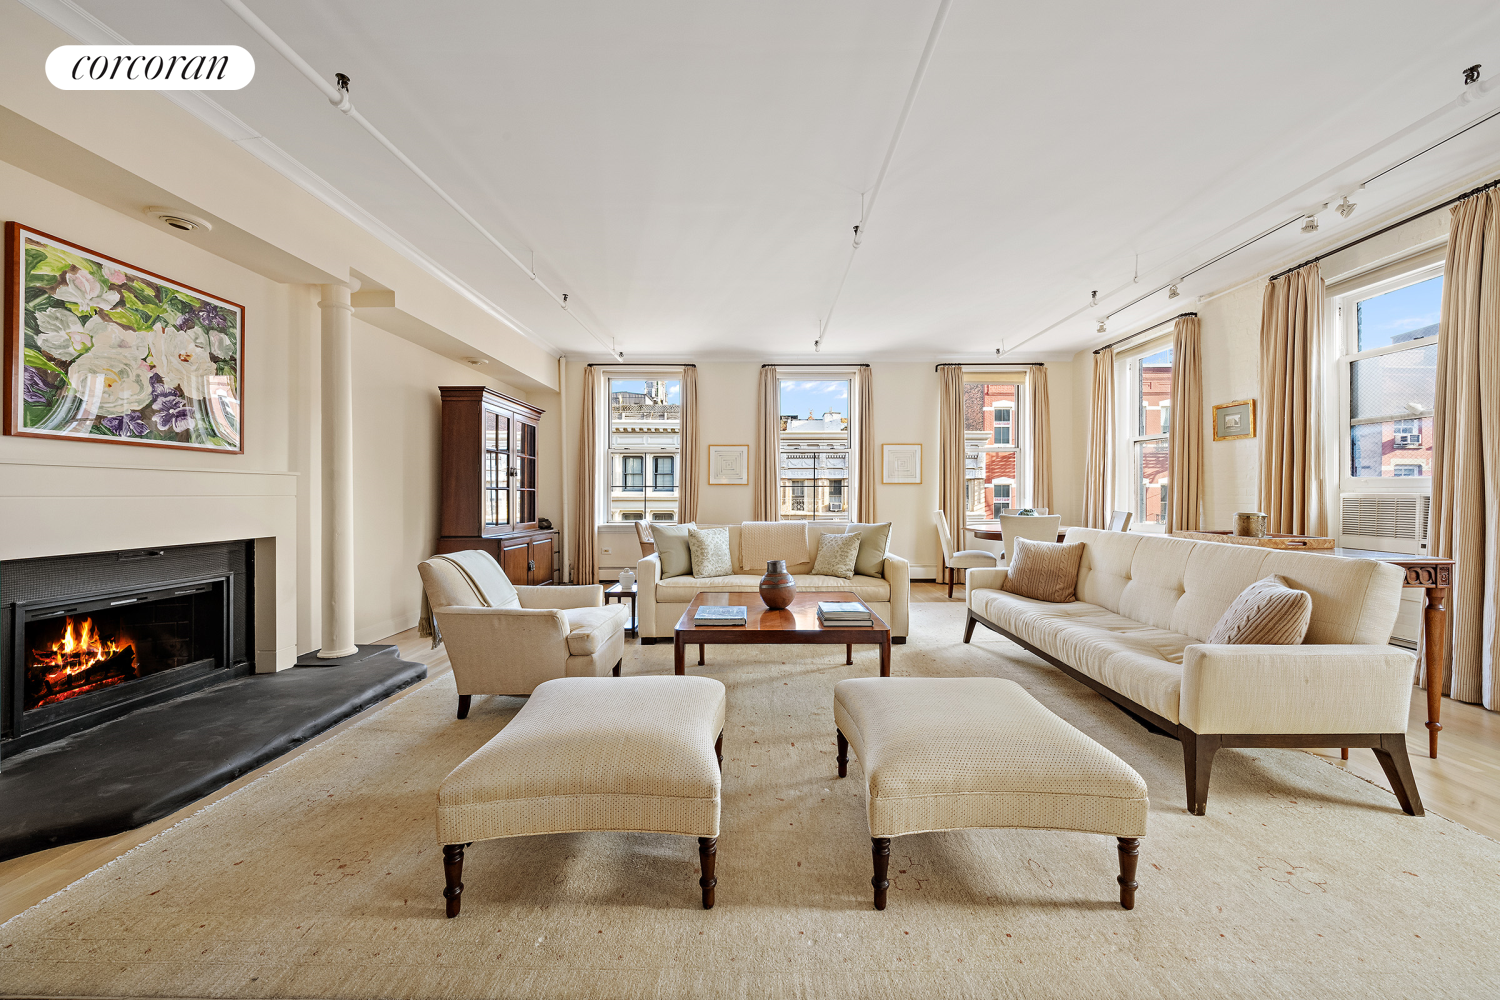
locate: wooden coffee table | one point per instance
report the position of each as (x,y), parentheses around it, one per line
(796,624)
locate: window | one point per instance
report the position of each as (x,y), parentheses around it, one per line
(815,483)
(994,464)
(1148,398)
(645,424)
(1388,379)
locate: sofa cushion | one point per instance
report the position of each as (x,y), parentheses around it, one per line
(762,541)
(590,628)
(874,542)
(836,555)
(710,551)
(672,548)
(1044,571)
(680,590)
(1267,613)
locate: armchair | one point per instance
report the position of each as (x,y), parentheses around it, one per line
(504,639)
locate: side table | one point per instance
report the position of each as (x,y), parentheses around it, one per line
(620,594)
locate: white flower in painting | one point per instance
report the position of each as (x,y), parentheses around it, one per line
(84,289)
(222,346)
(113,336)
(112,380)
(181,359)
(62,334)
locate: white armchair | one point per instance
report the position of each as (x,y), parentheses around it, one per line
(504,639)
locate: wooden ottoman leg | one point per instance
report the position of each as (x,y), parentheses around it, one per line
(1130,853)
(463,705)
(843,755)
(708,850)
(453,870)
(880,850)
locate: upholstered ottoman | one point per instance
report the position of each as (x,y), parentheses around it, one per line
(959,753)
(640,754)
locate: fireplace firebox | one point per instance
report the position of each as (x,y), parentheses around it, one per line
(91,637)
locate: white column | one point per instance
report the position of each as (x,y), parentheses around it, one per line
(338,503)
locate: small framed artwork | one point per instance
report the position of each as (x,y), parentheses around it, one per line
(729,465)
(901,464)
(100,350)
(1233,421)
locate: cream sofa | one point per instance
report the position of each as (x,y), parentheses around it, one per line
(660,603)
(1136,634)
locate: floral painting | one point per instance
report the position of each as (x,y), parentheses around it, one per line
(99,349)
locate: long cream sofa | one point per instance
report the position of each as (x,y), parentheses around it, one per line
(660,603)
(1137,635)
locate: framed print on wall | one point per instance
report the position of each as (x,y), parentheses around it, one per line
(901,464)
(1233,421)
(100,350)
(729,465)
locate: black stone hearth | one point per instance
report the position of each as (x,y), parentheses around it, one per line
(153,761)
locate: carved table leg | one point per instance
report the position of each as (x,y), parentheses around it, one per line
(453,870)
(1435,648)
(880,850)
(463,705)
(708,851)
(843,755)
(1130,853)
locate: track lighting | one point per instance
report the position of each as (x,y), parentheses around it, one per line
(1101,326)
(1093,298)
(1310,224)
(1172,292)
(1346,207)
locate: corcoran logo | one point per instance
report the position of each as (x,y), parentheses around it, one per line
(150,67)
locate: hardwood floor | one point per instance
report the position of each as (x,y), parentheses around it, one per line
(1463,784)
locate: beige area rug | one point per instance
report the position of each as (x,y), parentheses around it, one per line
(322,878)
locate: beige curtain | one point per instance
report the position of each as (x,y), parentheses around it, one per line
(1465,499)
(864,445)
(1291,365)
(687,489)
(1185,436)
(1041,438)
(585,499)
(951,449)
(767,448)
(1099,464)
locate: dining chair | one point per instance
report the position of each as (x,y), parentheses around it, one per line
(1120,520)
(1030,527)
(962,559)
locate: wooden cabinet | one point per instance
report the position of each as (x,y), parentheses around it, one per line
(489,486)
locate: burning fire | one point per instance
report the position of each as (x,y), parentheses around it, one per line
(75,654)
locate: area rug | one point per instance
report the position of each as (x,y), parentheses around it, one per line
(323,878)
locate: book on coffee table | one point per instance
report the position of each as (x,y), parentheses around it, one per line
(720,614)
(844,613)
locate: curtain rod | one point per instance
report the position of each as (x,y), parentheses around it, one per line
(1132,336)
(829,364)
(1382,231)
(998,364)
(631,364)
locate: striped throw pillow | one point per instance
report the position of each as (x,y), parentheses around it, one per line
(1044,571)
(1269,612)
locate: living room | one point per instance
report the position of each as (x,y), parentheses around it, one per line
(413,439)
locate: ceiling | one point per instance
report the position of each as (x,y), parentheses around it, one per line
(690,172)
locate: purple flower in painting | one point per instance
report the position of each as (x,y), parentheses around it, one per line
(34,387)
(127,425)
(208,316)
(173,414)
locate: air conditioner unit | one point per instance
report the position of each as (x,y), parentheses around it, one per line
(1386,522)
(836,506)
(1408,440)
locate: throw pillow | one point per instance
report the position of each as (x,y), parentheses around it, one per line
(874,539)
(837,555)
(672,547)
(1269,612)
(710,552)
(1044,571)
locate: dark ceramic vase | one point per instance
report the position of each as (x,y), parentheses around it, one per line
(777,588)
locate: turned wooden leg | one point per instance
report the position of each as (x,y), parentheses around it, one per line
(969,624)
(1397,766)
(463,705)
(719,751)
(1198,760)
(849,654)
(843,755)
(617,666)
(708,850)
(1130,853)
(880,850)
(453,870)
(1435,648)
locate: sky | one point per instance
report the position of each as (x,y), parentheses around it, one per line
(819,397)
(1382,317)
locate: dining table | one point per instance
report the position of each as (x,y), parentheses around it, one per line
(994,535)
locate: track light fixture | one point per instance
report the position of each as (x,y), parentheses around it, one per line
(1346,207)
(1172,292)
(1310,224)
(1101,326)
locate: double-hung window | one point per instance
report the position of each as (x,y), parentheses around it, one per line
(645,432)
(816,462)
(1147,413)
(994,458)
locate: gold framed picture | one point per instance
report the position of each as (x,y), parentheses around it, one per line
(1233,421)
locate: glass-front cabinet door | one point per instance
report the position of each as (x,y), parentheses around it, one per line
(509,479)
(496,500)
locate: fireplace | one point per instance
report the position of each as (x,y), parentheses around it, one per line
(91,637)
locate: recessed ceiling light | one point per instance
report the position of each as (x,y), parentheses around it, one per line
(476,362)
(181,221)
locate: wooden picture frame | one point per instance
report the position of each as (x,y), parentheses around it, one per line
(729,465)
(97,349)
(901,464)
(1234,421)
